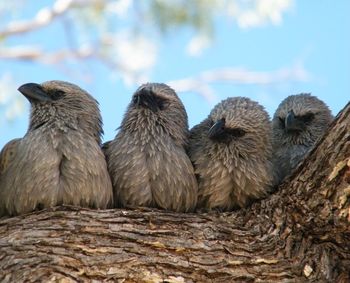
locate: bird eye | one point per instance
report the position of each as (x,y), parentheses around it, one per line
(161,102)
(147,98)
(282,122)
(236,132)
(135,99)
(57,94)
(307,118)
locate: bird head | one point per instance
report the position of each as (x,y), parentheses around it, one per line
(157,98)
(63,104)
(301,119)
(156,107)
(240,126)
(151,97)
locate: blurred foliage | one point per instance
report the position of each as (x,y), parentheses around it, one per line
(124,35)
(158,17)
(198,14)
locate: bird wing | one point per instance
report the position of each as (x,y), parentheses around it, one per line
(7,154)
(197,134)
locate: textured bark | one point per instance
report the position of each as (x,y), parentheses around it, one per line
(300,233)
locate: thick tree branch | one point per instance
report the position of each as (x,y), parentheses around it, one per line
(300,233)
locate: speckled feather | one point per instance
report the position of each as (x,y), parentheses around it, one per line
(231,175)
(291,148)
(147,160)
(59,160)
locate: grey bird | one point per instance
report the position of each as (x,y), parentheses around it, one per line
(299,121)
(231,153)
(59,160)
(147,161)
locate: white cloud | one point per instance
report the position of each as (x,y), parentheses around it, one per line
(120,8)
(197,45)
(10,101)
(135,55)
(14,109)
(6,89)
(254,13)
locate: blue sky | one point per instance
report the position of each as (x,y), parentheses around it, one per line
(313,34)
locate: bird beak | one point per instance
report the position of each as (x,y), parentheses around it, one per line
(292,123)
(216,129)
(145,97)
(34,92)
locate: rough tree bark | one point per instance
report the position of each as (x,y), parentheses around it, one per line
(300,233)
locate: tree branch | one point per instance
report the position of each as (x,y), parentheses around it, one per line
(36,54)
(202,83)
(44,17)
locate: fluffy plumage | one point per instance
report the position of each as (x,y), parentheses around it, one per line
(147,160)
(59,160)
(231,151)
(299,121)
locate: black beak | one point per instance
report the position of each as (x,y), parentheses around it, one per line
(292,123)
(34,92)
(145,97)
(217,129)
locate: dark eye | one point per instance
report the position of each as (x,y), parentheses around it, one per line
(307,118)
(161,102)
(148,99)
(222,123)
(236,132)
(57,94)
(135,99)
(282,122)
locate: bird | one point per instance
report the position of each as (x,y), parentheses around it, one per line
(231,153)
(299,121)
(59,161)
(146,160)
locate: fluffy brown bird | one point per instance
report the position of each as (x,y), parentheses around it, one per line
(299,121)
(147,160)
(59,160)
(231,154)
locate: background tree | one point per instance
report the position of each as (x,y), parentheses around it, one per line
(126,37)
(206,50)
